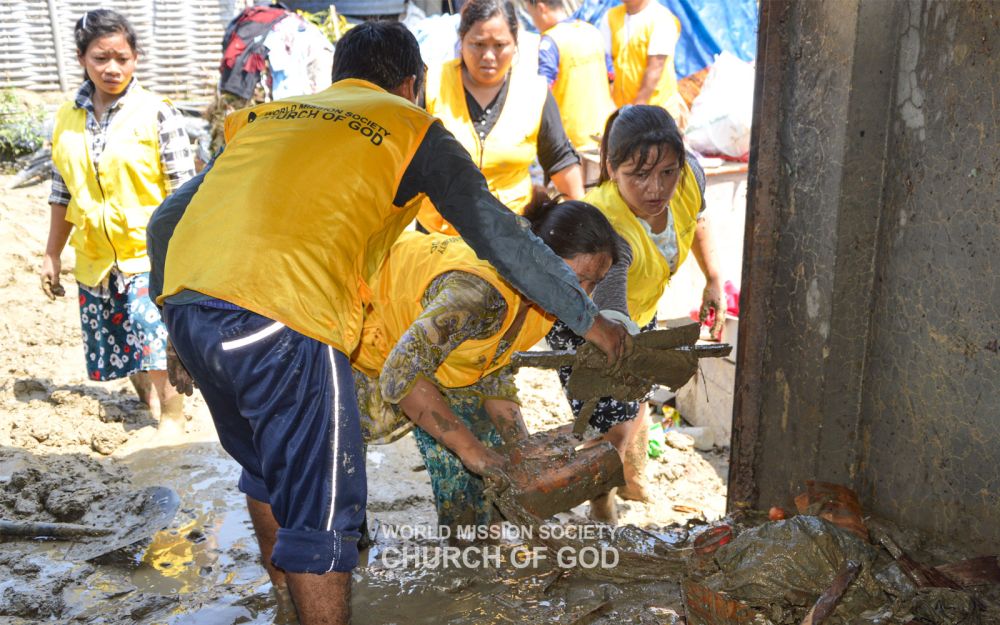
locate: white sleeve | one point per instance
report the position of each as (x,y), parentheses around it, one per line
(663,40)
(605,27)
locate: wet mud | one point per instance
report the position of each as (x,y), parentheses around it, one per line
(74,451)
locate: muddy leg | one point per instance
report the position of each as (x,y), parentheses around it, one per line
(636,454)
(166,404)
(604,509)
(265,527)
(140,382)
(623,436)
(322,599)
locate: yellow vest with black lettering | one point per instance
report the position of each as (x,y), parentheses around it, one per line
(581,89)
(508,150)
(110,207)
(630,58)
(296,215)
(650,272)
(412,264)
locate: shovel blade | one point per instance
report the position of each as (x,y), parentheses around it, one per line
(152,510)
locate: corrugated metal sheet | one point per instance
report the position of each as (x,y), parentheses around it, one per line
(181,41)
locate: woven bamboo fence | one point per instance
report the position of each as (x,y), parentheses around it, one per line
(181,41)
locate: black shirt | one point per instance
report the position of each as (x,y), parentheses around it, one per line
(555,152)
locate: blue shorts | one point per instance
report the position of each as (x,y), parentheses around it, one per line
(284,408)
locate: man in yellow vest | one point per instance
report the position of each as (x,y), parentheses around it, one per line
(571,56)
(641,36)
(262,265)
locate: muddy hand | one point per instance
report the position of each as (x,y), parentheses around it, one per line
(50,278)
(178,375)
(484,461)
(611,338)
(713,301)
(497,479)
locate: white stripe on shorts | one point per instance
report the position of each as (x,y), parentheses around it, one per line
(260,335)
(336,441)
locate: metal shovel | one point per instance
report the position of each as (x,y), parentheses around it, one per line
(153,508)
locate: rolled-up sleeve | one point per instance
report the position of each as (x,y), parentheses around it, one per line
(443,169)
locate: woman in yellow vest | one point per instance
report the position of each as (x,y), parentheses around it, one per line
(437,341)
(652,192)
(504,116)
(117,152)
(641,36)
(572,58)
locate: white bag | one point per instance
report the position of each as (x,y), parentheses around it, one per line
(722,112)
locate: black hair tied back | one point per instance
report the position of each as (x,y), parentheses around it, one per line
(570,228)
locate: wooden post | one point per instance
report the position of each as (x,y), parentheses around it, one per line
(57,43)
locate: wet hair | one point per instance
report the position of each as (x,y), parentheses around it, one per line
(101,23)
(476,11)
(384,53)
(642,132)
(571,228)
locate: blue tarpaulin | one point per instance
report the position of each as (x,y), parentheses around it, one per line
(707,28)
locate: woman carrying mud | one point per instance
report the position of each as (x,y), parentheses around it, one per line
(652,192)
(117,152)
(437,342)
(504,115)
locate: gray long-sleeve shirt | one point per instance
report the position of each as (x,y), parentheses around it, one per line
(442,169)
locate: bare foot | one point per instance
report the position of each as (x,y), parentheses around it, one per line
(636,490)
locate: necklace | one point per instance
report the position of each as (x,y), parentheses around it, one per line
(659,212)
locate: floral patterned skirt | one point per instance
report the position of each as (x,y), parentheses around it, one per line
(122,329)
(458,493)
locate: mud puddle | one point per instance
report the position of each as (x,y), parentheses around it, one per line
(204,568)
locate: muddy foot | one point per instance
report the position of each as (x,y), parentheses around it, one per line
(635,491)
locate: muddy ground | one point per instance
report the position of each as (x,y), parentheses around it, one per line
(77,451)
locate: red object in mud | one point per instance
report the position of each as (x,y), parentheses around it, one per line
(777,514)
(711,539)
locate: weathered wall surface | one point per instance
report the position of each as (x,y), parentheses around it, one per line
(931,431)
(872,308)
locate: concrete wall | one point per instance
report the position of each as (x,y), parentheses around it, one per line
(871,310)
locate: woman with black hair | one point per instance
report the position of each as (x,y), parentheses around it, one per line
(504,115)
(437,341)
(117,152)
(653,193)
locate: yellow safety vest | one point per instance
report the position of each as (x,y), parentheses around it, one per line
(412,264)
(650,272)
(109,214)
(508,151)
(630,58)
(296,215)
(581,89)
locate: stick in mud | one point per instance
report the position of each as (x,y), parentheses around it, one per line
(829,600)
(36,529)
